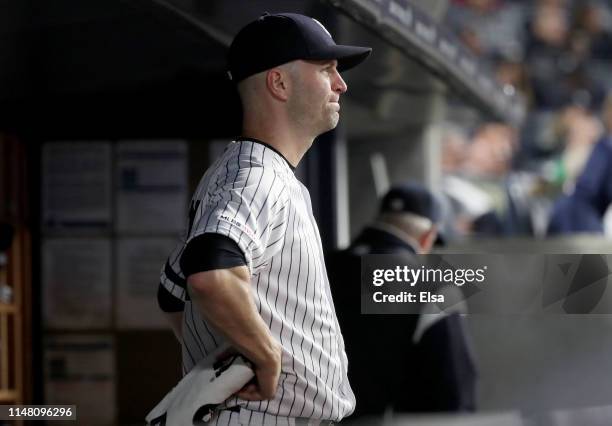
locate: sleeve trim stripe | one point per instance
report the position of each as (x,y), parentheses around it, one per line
(175,290)
(174,277)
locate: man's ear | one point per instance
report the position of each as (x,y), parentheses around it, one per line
(428,239)
(277,82)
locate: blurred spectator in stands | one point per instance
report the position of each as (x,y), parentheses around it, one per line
(562,64)
(454,149)
(489,27)
(591,40)
(592,30)
(509,69)
(547,57)
(490,153)
(473,181)
(488,165)
(583,208)
(547,134)
(580,130)
(462,202)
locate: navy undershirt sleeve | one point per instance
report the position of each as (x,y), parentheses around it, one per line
(204,253)
(211,251)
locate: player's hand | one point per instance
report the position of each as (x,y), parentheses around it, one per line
(265,382)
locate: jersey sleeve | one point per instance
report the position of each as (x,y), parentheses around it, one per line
(172,292)
(211,251)
(247,205)
(167,302)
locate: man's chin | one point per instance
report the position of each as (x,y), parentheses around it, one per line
(334,121)
(330,125)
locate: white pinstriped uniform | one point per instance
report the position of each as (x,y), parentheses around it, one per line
(251,195)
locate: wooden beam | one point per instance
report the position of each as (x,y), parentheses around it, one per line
(4,352)
(7,308)
(7,395)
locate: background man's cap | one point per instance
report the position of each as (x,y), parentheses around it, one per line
(275,39)
(412,198)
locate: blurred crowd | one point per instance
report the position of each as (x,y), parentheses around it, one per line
(500,180)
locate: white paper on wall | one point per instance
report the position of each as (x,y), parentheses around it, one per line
(77,277)
(76,185)
(80,370)
(139,261)
(151,179)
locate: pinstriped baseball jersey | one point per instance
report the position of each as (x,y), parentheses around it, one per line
(252,196)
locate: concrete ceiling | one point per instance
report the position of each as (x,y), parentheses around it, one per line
(157,68)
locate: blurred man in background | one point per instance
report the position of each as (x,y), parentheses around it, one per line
(406,363)
(582,209)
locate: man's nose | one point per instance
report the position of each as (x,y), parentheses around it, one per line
(339,84)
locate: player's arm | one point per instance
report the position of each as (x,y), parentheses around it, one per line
(223,297)
(216,263)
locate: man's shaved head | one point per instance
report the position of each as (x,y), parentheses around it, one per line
(253,89)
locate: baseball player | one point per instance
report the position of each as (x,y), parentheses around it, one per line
(250,270)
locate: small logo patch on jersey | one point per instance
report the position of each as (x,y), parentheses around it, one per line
(324,29)
(237,224)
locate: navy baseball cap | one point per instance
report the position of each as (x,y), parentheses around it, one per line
(275,39)
(412,198)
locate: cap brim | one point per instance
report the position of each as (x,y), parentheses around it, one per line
(347,56)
